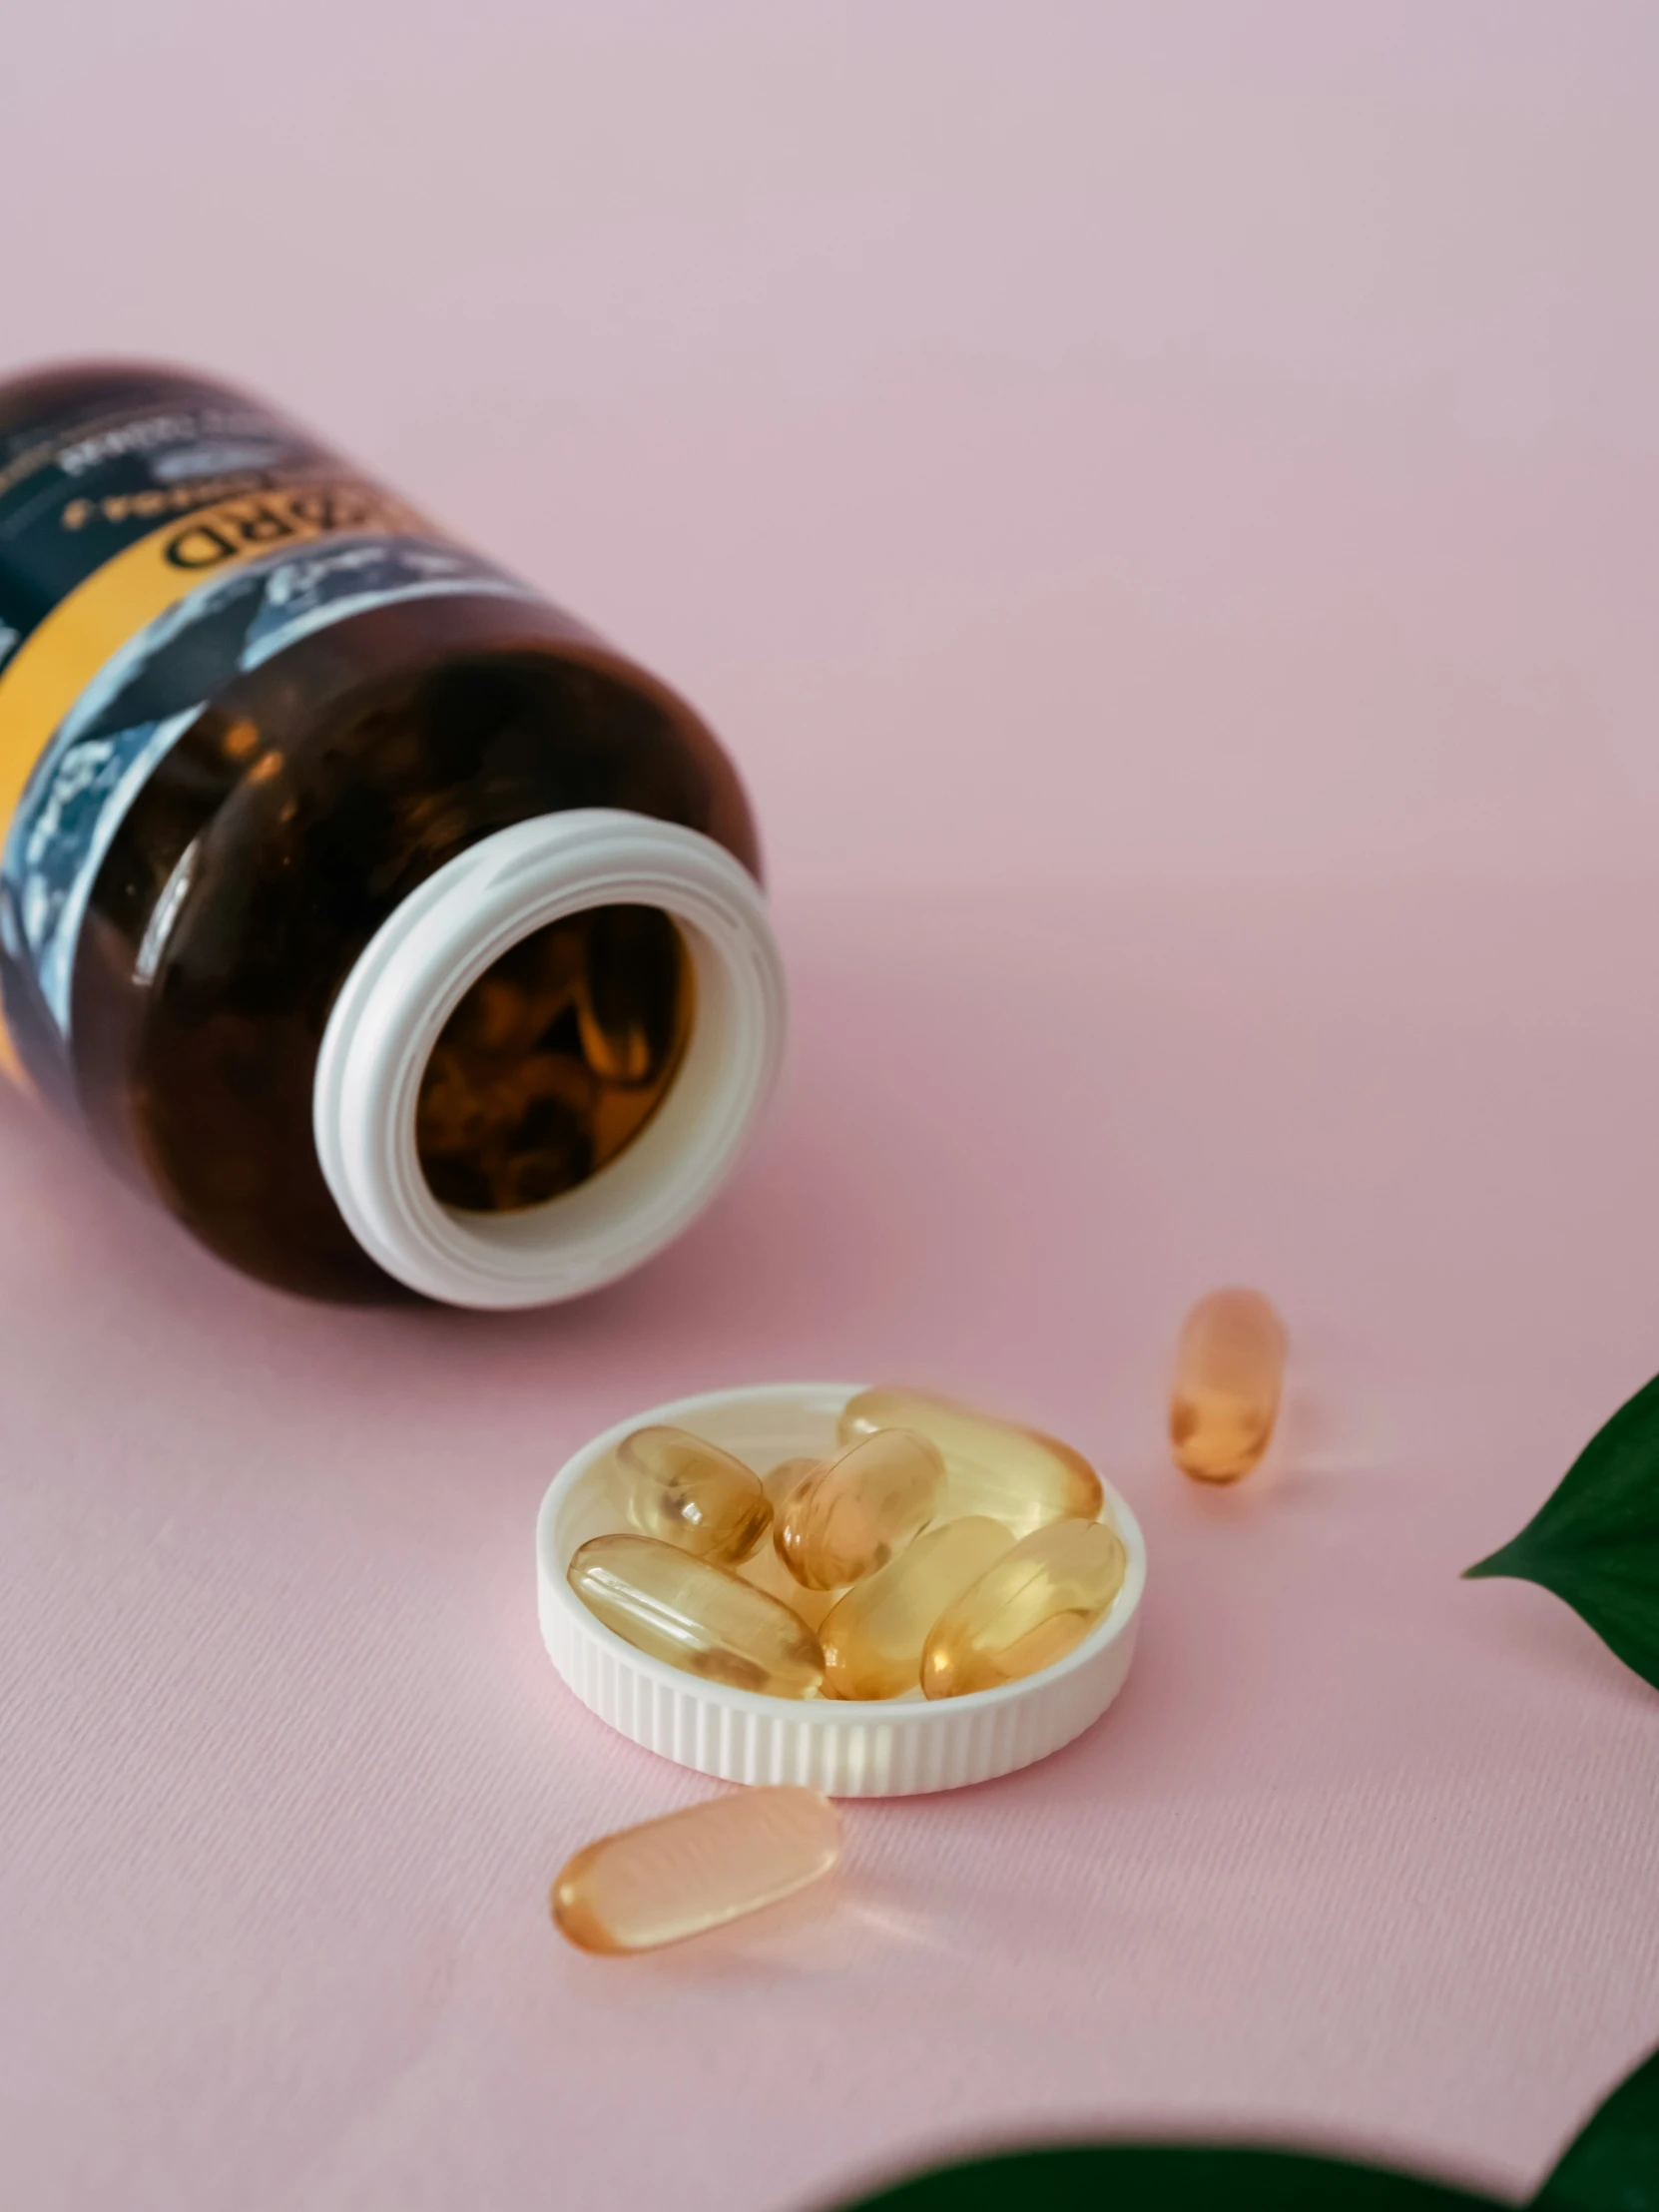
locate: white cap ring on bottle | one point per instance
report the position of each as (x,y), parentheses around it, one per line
(429,954)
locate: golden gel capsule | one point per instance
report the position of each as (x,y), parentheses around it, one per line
(1229,1370)
(849,1516)
(696,1615)
(764,1568)
(1017,1476)
(1027,1610)
(768,1572)
(872,1637)
(786,1478)
(671,1485)
(666,1880)
(625,995)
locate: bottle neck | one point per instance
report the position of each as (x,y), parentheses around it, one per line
(428,955)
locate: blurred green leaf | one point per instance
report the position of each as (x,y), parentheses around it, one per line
(1166,2178)
(1596,1541)
(1611,2166)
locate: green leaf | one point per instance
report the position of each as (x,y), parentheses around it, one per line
(1167,2177)
(1613,2166)
(1595,1543)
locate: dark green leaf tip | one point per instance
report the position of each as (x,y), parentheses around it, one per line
(1595,1543)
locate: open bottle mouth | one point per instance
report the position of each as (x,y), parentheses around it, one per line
(554,1059)
(641,1001)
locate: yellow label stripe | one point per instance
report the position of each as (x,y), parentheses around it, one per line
(84,632)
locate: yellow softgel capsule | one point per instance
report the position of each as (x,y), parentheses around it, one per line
(853,1513)
(1229,1371)
(697,1616)
(681,1875)
(1036,1603)
(768,1572)
(628,992)
(874,1637)
(1015,1476)
(764,1568)
(673,1485)
(786,1478)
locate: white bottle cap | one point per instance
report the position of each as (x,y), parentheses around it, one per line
(429,952)
(851,1749)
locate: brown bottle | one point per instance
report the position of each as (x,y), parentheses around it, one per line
(371,911)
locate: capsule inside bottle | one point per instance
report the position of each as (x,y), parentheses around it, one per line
(696,1616)
(1028,1609)
(1016,1476)
(673,1485)
(554,1059)
(873,1636)
(851,1514)
(667,1879)
(1228,1373)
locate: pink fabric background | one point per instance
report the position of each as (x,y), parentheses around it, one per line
(1160,500)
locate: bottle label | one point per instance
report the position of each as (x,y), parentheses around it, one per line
(150,554)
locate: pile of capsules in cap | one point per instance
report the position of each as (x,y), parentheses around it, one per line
(936,1552)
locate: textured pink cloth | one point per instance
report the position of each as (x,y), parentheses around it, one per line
(1160,502)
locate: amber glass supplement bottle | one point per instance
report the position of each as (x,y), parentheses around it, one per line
(375,916)
(1229,1371)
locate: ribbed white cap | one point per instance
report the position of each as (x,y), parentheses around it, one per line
(429,954)
(893,1748)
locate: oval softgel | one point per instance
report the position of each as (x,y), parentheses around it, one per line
(1229,1375)
(667,1879)
(696,1615)
(686,1491)
(765,1568)
(873,1635)
(855,1511)
(1016,1476)
(1027,1610)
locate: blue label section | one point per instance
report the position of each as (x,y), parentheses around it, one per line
(140,703)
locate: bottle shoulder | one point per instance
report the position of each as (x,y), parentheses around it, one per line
(42,394)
